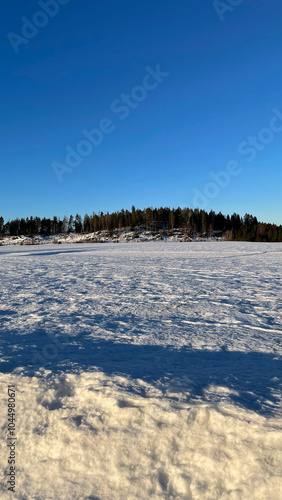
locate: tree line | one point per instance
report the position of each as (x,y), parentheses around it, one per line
(191,221)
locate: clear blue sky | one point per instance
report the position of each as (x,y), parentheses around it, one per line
(225,79)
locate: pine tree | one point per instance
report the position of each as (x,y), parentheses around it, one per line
(1,227)
(70,225)
(65,225)
(78,224)
(86,223)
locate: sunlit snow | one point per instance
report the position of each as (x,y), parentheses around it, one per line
(143,370)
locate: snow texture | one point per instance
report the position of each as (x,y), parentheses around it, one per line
(143,371)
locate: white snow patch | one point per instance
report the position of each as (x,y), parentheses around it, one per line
(85,436)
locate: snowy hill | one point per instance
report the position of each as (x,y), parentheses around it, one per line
(116,236)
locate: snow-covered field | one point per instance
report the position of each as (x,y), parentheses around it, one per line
(143,371)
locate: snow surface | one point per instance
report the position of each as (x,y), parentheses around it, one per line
(148,370)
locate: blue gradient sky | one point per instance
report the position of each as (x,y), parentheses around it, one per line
(225,79)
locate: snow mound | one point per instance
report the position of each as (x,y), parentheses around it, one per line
(89,436)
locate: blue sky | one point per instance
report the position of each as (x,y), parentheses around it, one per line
(223,81)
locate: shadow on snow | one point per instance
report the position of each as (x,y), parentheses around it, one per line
(253,378)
